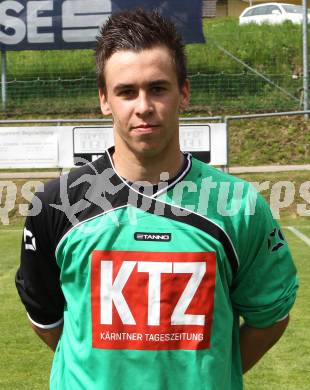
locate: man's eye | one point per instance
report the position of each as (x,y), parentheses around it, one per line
(158,90)
(127,92)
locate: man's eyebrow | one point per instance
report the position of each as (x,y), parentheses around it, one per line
(119,87)
(158,82)
(152,83)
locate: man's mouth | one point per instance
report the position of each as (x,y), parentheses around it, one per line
(144,128)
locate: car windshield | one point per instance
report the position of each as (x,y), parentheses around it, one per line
(293,9)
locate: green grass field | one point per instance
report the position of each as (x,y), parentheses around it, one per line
(25,360)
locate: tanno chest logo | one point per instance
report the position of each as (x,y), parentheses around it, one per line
(152,300)
(152,236)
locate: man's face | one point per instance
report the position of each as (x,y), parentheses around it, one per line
(144,98)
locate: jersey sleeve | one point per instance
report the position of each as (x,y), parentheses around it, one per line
(37,279)
(265,286)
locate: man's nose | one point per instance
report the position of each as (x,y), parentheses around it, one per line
(144,104)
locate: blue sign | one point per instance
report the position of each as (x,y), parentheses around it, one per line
(73,24)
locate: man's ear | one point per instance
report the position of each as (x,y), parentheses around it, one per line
(104,105)
(185,92)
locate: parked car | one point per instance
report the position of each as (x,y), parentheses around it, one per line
(273,13)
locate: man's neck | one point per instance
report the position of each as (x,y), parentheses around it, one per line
(147,168)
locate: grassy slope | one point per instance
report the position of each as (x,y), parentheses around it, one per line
(283,140)
(265,47)
(219,83)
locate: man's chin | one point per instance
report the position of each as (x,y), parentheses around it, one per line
(147,150)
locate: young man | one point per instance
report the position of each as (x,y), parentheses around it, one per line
(138,282)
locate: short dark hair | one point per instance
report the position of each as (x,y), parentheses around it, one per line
(138,30)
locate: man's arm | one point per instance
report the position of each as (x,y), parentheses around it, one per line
(255,342)
(49,336)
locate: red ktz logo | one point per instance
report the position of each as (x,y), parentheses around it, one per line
(152,300)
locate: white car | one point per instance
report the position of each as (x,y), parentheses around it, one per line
(272,13)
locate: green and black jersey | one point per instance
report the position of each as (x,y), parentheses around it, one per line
(150,283)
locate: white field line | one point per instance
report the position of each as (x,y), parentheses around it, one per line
(10,230)
(302,226)
(298,234)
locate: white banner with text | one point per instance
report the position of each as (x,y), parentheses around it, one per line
(60,146)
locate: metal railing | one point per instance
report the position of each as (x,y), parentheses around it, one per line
(225,119)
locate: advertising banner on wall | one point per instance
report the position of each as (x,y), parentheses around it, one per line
(63,146)
(23,147)
(207,142)
(73,24)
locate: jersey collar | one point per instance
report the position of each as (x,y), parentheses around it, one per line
(154,190)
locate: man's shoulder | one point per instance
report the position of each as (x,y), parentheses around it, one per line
(216,174)
(64,202)
(225,197)
(76,181)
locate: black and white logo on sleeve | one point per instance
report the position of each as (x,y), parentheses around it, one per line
(275,240)
(29,240)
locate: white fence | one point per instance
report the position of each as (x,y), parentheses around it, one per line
(57,145)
